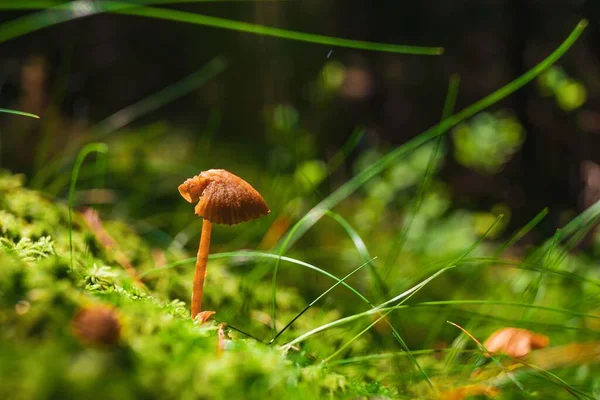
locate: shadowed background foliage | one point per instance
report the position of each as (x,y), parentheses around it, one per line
(87,69)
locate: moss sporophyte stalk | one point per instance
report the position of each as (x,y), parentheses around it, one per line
(223,198)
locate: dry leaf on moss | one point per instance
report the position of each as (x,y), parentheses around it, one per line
(515,342)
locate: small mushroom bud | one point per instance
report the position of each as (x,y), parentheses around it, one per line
(97,326)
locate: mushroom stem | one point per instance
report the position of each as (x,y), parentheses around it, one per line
(200,272)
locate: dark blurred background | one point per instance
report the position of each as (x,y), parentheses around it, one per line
(77,73)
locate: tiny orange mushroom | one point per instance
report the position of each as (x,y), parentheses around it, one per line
(223,198)
(515,342)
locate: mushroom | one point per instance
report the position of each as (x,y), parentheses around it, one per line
(223,198)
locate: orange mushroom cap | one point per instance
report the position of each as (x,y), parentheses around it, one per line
(223,198)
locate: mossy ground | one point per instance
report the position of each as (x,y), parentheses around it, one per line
(161,352)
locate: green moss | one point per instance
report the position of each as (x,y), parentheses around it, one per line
(162,353)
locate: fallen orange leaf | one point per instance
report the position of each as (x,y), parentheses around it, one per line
(468,391)
(515,342)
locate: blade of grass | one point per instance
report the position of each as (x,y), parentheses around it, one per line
(508,304)
(79,9)
(398,242)
(317,212)
(531,267)
(50,16)
(312,303)
(99,148)
(411,292)
(582,223)
(361,247)
(379,309)
(535,288)
(258,254)
(571,234)
(41,4)
(470,316)
(342,154)
(522,232)
(21,113)
(384,356)
(222,23)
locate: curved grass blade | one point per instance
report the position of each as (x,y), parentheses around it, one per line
(384,356)
(522,232)
(222,23)
(534,290)
(361,247)
(80,8)
(48,17)
(99,148)
(411,292)
(508,304)
(571,234)
(258,254)
(317,212)
(312,303)
(497,262)
(352,318)
(21,113)
(41,4)
(340,156)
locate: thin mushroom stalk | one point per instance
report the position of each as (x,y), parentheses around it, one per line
(223,198)
(200,271)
